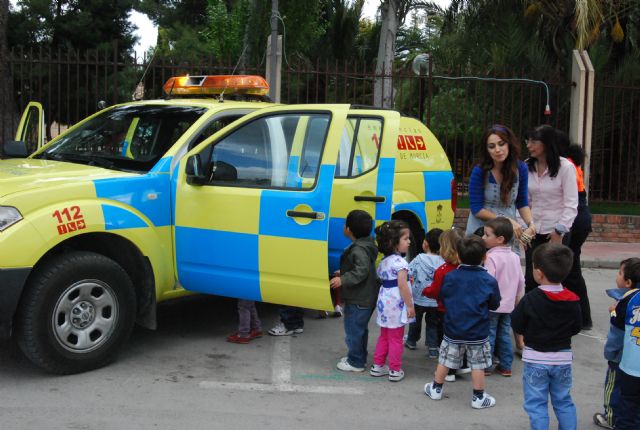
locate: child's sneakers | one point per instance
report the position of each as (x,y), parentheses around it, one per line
(409,344)
(504,372)
(255,333)
(236,338)
(601,420)
(281,330)
(451,377)
(396,375)
(486,401)
(432,392)
(377,370)
(346,367)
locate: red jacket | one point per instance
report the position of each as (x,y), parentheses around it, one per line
(433,290)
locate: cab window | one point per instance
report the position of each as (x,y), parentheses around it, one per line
(280,151)
(359,147)
(125,137)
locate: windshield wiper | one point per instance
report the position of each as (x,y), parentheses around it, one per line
(86,159)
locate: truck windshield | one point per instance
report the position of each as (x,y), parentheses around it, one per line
(125,137)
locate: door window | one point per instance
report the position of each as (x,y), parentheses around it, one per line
(280,151)
(359,147)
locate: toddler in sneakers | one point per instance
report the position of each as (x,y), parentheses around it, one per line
(448,242)
(468,294)
(359,285)
(394,305)
(504,265)
(547,317)
(249,326)
(421,270)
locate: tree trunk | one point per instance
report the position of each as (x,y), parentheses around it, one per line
(383,90)
(8,114)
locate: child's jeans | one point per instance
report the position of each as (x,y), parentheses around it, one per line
(500,338)
(389,345)
(432,323)
(356,329)
(541,381)
(247,317)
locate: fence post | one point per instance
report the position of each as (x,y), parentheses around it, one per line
(275,62)
(581,120)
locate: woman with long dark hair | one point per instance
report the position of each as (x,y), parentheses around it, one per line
(553,193)
(498,185)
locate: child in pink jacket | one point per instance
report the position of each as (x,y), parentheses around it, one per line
(504,265)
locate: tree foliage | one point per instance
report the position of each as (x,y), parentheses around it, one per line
(72,24)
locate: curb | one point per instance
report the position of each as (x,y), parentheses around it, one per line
(592,264)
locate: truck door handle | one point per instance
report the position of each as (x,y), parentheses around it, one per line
(301,214)
(377,199)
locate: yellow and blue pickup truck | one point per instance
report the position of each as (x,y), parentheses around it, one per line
(210,190)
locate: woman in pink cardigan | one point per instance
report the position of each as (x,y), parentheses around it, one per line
(553,193)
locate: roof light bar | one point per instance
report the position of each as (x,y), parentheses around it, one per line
(216,84)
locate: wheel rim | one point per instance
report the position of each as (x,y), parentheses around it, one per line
(85,316)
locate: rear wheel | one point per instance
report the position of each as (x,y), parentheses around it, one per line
(76,312)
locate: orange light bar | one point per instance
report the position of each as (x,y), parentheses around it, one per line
(216,84)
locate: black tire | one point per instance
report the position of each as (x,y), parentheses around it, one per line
(75,313)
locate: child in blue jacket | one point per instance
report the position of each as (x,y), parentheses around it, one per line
(627,281)
(468,294)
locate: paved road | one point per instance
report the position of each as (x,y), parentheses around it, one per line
(185,376)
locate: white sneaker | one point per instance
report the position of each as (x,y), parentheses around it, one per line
(434,393)
(344,358)
(281,330)
(346,367)
(486,401)
(450,378)
(396,375)
(463,371)
(379,370)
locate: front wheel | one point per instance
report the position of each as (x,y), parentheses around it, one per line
(76,312)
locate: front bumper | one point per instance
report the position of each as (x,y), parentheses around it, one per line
(11,285)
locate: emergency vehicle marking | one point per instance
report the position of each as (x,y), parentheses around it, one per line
(384,187)
(205,257)
(410,142)
(116,218)
(274,204)
(136,192)
(69,219)
(437,185)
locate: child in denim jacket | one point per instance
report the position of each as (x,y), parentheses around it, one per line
(421,270)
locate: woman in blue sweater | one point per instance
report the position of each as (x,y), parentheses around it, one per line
(498,185)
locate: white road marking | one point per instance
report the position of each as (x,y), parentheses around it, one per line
(281,377)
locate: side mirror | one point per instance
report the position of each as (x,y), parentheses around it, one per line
(15,149)
(194,170)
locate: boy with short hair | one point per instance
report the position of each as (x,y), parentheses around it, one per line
(547,317)
(359,288)
(627,283)
(468,293)
(421,270)
(504,265)
(627,319)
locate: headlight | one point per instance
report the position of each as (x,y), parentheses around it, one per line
(8,216)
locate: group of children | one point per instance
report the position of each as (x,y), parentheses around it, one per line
(469,291)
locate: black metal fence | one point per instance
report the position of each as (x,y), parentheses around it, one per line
(456,108)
